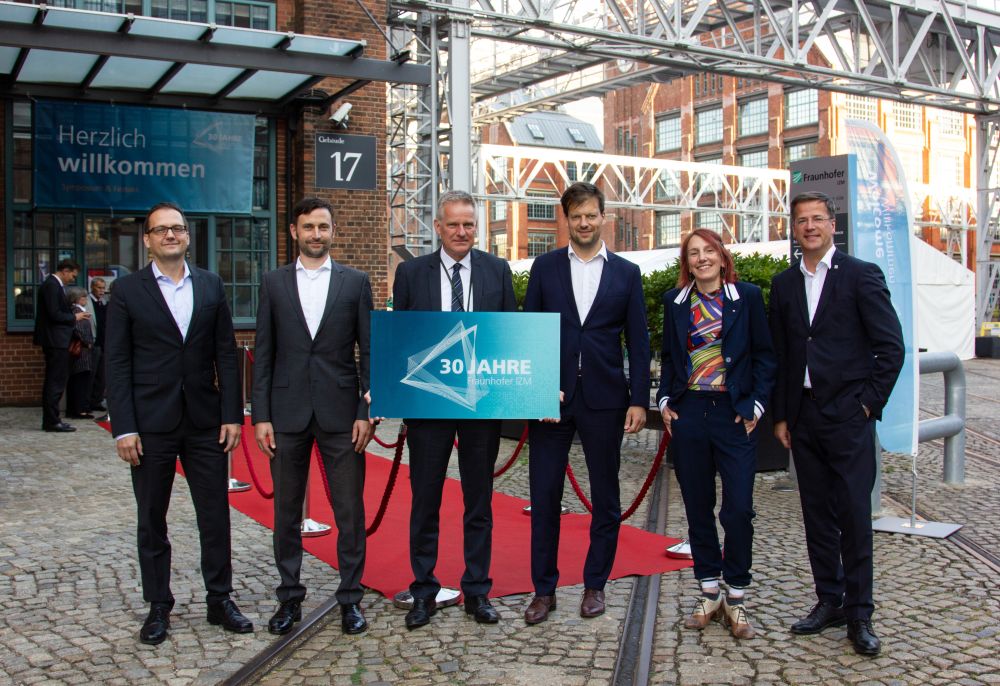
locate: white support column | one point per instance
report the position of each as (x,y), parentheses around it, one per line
(988,216)
(460,101)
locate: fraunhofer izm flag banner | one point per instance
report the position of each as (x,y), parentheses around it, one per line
(126,157)
(465,365)
(882,234)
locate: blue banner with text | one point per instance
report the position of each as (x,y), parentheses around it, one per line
(465,365)
(129,158)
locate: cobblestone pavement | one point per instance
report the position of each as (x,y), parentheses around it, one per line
(72,605)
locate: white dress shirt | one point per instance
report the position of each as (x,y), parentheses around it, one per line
(465,272)
(814,288)
(586,277)
(179,296)
(313,286)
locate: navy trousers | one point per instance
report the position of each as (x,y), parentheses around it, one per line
(601,434)
(835,466)
(706,440)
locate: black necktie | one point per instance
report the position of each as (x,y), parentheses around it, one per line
(457,300)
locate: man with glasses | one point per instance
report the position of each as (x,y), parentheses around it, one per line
(314,314)
(840,348)
(174,391)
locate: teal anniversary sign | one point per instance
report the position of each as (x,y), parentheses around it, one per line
(465,365)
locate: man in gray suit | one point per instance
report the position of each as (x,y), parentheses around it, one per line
(307,386)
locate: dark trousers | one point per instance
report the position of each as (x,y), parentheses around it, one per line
(705,441)
(207,473)
(345,474)
(77,393)
(835,466)
(96,391)
(56,376)
(601,434)
(430,442)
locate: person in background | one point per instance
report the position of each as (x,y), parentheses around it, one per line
(80,367)
(97,306)
(718,370)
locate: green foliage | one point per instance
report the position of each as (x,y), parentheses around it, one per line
(756,269)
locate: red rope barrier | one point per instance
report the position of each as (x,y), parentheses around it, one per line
(389,446)
(249,355)
(513,455)
(389,485)
(253,474)
(657,463)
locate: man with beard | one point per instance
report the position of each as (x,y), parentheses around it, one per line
(307,387)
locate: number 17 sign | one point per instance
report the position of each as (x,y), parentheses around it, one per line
(344,161)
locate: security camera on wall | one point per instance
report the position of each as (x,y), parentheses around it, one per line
(340,115)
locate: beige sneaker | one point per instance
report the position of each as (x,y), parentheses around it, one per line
(738,620)
(705,611)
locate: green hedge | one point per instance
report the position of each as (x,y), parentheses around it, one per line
(756,269)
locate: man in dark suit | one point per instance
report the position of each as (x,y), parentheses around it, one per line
(840,348)
(54,323)
(307,387)
(174,391)
(97,306)
(599,296)
(454,278)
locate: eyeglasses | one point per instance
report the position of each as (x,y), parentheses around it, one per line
(178,230)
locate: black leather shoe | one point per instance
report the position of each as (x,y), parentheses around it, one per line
(288,612)
(229,616)
(479,606)
(421,613)
(61,427)
(862,636)
(822,615)
(154,629)
(352,621)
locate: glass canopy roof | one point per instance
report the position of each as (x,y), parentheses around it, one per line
(51,51)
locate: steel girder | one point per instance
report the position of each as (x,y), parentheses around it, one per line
(988,227)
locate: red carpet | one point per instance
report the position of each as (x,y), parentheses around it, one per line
(387,569)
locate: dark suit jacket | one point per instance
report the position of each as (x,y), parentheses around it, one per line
(153,374)
(595,344)
(295,376)
(417,284)
(854,346)
(746,347)
(99,310)
(54,318)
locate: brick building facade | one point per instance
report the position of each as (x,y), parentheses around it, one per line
(287,142)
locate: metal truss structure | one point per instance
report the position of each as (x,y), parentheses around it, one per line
(937,53)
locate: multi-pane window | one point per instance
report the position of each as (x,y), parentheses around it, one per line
(536,131)
(751,229)
(498,244)
(537,210)
(540,242)
(756,159)
(950,123)
(710,220)
(801,108)
(246,14)
(753,117)
(668,229)
(911,159)
(22,152)
(40,241)
(949,169)
(498,210)
(667,185)
(668,133)
(571,171)
(801,150)
(498,169)
(862,107)
(242,253)
(708,126)
(906,115)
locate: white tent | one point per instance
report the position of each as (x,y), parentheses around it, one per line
(945,302)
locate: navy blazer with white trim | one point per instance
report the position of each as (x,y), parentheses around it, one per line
(746,348)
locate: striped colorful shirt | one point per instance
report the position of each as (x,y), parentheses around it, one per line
(708,368)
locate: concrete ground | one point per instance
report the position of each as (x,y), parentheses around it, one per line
(70,602)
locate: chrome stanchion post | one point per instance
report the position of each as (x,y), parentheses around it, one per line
(235,485)
(310,527)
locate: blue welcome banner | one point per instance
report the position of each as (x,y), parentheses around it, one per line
(882,227)
(465,365)
(125,157)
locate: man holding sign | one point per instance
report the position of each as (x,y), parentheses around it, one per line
(455,278)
